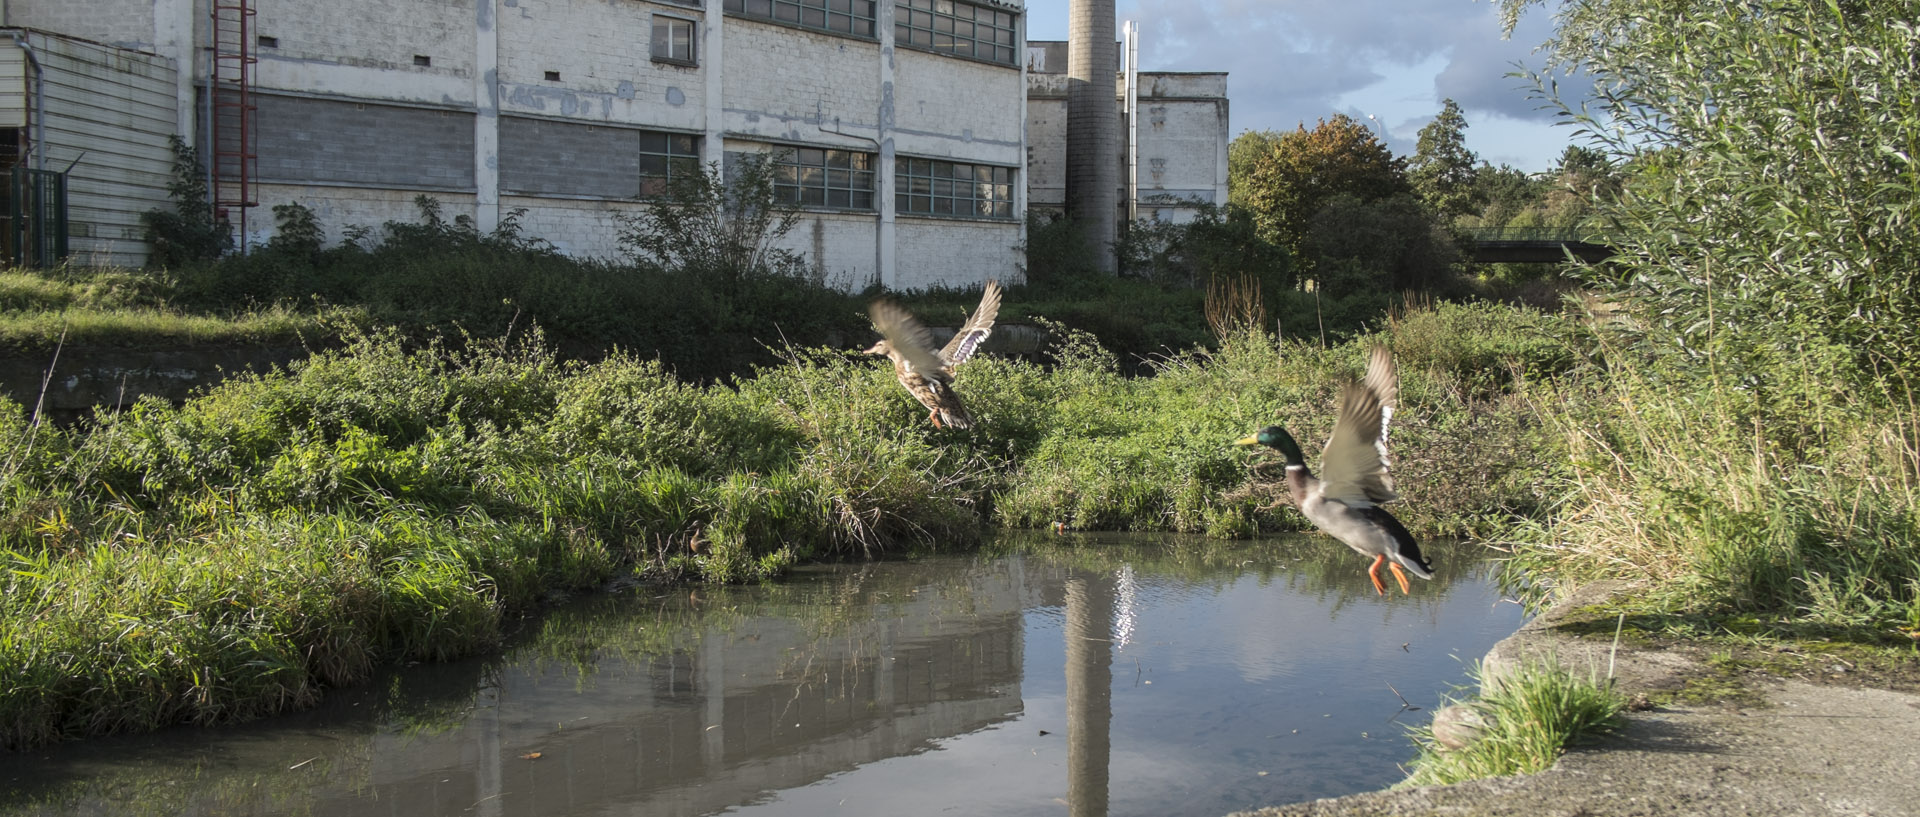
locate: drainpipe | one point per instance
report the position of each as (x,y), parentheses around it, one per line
(39,124)
(1132,33)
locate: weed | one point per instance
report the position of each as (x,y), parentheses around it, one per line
(1530,716)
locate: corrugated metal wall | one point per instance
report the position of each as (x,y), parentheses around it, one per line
(111,110)
(13,86)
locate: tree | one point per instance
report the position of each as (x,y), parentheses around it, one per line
(724,229)
(1442,167)
(1388,245)
(1504,192)
(1242,152)
(1287,185)
(1218,241)
(189,232)
(1779,217)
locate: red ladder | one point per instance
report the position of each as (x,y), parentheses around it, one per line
(235,159)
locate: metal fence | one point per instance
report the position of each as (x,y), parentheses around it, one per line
(36,212)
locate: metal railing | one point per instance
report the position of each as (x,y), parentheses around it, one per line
(1534,234)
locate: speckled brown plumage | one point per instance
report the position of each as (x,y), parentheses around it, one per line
(926,373)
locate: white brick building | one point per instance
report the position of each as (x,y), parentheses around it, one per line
(902,122)
(1178,149)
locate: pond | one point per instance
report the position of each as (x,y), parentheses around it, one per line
(1056,675)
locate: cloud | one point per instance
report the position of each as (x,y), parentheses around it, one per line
(1295,63)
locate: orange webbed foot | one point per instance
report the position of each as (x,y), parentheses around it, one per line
(1402,576)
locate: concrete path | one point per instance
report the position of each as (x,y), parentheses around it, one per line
(1789,747)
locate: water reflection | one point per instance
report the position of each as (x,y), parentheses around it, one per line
(1088,676)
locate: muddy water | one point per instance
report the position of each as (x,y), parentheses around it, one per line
(1076,676)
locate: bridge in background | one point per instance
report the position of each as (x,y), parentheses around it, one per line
(1535,245)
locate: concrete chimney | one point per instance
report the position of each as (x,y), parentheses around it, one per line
(1093,160)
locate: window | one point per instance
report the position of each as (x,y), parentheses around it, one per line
(952,27)
(948,189)
(665,157)
(811,177)
(672,40)
(845,16)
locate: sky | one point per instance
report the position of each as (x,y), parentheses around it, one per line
(1389,63)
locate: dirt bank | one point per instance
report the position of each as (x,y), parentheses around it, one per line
(1712,737)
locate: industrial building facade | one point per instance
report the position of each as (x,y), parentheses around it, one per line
(911,132)
(1170,145)
(898,124)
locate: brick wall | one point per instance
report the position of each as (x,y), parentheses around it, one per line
(122,24)
(945,107)
(563,158)
(956,253)
(601,51)
(787,84)
(305,140)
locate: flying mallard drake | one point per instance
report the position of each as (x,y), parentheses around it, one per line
(1345,503)
(927,374)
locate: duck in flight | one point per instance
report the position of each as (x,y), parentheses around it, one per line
(927,373)
(1345,500)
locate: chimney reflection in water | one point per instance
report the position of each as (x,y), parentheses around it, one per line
(1089,634)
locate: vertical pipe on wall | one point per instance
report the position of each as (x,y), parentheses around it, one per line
(1024,177)
(486,117)
(713,62)
(1133,121)
(887,241)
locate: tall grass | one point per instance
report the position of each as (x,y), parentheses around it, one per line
(386,500)
(1783,500)
(1154,453)
(120,308)
(1531,715)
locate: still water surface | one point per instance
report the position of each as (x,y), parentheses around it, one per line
(1081,675)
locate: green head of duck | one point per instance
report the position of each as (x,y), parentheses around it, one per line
(1276,438)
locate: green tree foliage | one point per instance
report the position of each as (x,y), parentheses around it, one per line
(1772,192)
(1504,192)
(1217,241)
(1287,185)
(1384,246)
(1442,168)
(717,228)
(189,232)
(1241,153)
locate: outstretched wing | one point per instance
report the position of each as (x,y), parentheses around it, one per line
(1353,468)
(967,341)
(908,338)
(1382,380)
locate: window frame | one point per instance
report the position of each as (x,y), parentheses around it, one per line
(801,14)
(918,24)
(693,40)
(920,182)
(656,183)
(797,173)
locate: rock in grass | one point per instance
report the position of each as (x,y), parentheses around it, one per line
(1456,726)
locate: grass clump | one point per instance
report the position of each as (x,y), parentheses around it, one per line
(120,308)
(1529,715)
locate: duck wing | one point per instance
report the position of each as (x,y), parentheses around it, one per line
(967,341)
(909,339)
(1353,467)
(1382,380)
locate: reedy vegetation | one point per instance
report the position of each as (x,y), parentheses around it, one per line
(1747,443)
(282,533)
